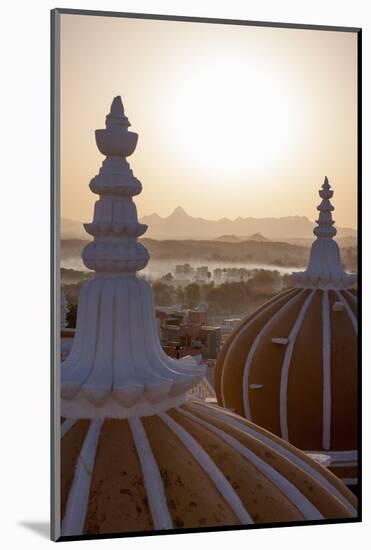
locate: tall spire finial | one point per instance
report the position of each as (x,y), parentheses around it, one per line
(115,227)
(324,270)
(116,367)
(325,227)
(116,116)
(117,107)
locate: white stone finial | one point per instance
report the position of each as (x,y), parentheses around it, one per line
(324,270)
(117,107)
(116,116)
(116,367)
(115,227)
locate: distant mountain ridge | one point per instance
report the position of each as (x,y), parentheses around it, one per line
(179,225)
(234,239)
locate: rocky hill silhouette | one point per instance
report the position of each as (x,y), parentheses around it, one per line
(180,225)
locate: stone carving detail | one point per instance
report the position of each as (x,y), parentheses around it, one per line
(116,367)
(324,270)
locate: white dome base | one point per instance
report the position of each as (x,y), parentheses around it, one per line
(117,362)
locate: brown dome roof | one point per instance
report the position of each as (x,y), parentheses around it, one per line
(291,367)
(195,466)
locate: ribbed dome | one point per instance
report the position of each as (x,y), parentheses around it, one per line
(291,366)
(195,466)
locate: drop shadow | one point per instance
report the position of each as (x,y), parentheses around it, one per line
(41,528)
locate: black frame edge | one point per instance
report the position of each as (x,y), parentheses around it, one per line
(198,19)
(54,273)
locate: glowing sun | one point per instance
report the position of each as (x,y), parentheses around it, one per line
(232,118)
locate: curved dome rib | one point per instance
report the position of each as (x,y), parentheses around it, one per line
(197,465)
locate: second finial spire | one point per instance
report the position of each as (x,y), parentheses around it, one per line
(325,270)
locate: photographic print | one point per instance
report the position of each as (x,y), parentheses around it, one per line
(206,187)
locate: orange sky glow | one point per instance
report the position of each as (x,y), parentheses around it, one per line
(232,120)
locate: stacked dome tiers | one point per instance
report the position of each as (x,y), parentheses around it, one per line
(291,366)
(116,364)
(136,454)
(195,466)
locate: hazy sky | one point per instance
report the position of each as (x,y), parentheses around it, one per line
(232,120)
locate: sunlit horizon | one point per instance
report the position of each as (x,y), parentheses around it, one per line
(233,121)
